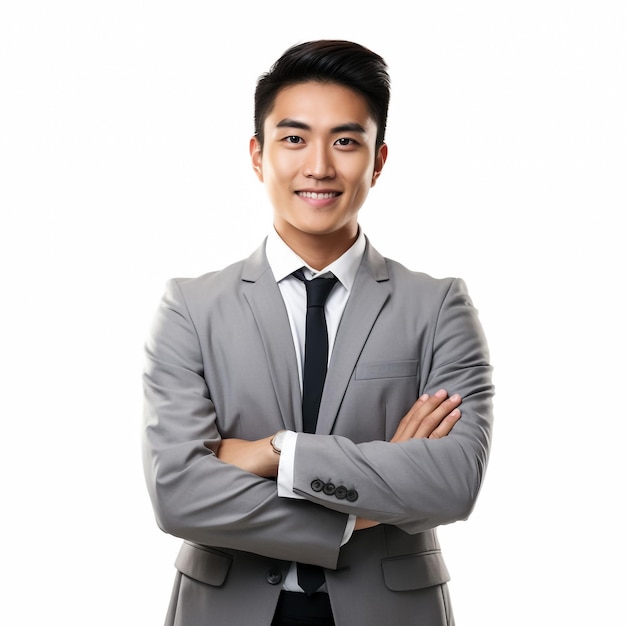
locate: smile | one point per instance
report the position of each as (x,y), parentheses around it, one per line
(314,195)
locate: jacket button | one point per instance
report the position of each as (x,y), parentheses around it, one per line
(341,492)
(317,485)
(352,495)
(274,576)
(329,489)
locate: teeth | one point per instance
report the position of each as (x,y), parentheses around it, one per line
(313,195)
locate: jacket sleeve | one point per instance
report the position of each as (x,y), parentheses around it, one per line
(421,483)
(196,496)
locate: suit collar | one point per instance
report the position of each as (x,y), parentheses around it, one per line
(255,265)
(370,292)
(284,261)
(373,263)
(264,298)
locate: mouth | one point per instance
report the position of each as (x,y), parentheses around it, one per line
(318,195)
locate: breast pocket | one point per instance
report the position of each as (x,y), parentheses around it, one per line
(384,391)
(386,369)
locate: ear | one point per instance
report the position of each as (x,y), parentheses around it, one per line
(381,157)
(255,156)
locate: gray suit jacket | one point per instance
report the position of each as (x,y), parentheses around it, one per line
(220,363)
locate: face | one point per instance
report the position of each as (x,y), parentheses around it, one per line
(318,162)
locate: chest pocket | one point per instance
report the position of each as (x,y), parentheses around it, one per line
(386,369)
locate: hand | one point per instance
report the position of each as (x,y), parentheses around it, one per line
(256,457)
(430,417)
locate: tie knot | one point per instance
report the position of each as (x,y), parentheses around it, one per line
(317,290)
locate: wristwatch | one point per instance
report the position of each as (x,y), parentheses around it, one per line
(277,441)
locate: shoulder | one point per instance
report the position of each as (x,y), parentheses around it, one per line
(401,277)
(415,286)
(383,268)
(219,283)
(208,282)
(425,288)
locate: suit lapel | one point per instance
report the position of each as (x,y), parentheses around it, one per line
(267,305)
(370,291)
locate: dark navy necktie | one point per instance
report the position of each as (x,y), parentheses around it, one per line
(311,577)
(315,347)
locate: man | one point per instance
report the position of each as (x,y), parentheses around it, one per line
(261,474)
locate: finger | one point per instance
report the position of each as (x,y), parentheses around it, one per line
(423,417)
(420,411)
(434,419)
(400,434)
(446,425)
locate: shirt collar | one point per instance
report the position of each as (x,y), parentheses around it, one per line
(284,261)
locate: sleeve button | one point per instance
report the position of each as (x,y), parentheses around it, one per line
(341,492)
(317,485)
(329,489)
(352,495)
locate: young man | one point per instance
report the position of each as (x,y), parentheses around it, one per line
(261,473)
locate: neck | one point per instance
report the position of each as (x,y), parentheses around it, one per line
(319,251)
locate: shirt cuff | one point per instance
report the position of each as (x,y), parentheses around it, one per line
(347,533)
(284,480)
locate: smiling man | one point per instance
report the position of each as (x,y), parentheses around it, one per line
(318,160)
(303,428)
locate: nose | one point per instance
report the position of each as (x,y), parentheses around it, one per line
(319,163)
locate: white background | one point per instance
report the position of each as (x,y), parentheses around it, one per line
(124,132)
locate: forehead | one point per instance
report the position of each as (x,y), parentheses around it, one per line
(320,104)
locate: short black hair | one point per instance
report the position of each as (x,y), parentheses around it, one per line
(327,61)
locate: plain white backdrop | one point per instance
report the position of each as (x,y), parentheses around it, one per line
(124,132)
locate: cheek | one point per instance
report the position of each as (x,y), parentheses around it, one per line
(284,164)
(360,172)
(363,184)
(273,179)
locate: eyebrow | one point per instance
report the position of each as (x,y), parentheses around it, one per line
(353,127)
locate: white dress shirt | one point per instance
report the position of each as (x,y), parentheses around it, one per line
(283,262)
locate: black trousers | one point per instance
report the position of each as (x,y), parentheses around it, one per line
(298,609)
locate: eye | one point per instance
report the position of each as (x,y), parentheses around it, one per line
(293,139)
(346,142)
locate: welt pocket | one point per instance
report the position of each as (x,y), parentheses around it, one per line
(386,369)
(415,571)
(204,564)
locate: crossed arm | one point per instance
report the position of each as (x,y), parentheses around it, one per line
(427,474)
(430,417)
